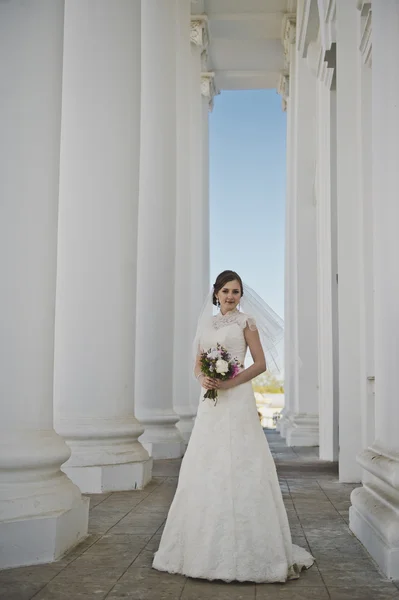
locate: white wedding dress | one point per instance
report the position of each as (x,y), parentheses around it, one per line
(228,520)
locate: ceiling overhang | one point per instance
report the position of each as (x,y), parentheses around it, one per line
(245,50)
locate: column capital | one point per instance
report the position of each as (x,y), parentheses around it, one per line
(208,87)
(320,63)
(366,45)
(199,34)
(364,6)
(308,26)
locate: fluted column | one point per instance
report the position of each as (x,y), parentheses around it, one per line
(302,429)
(366,219)
(202,91)
(374,515)
(326,260)
(96,287)
(349,241)
(289,347)
(208,93)
(287,91)
(42,512)
(183,336)
(157,232)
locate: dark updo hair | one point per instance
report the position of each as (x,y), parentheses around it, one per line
(221,281)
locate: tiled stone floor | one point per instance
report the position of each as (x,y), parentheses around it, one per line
(114,562)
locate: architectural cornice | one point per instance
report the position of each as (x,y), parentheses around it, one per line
(316,38)
(327,24)
(325,72)
(308,26)
(331,7)
(318,65)
(199,34)
(364,6)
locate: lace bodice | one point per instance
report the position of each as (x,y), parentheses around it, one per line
(228,330)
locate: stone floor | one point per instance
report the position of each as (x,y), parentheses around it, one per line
(114,562)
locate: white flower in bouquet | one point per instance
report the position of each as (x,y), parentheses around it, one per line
(218,364)
(222,366)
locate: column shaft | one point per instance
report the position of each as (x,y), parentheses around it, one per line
(95,328)
(303,427)
(349,241)
(42,513)
(199,199)
(157,232)
(326,271)
(374,515)
(183,333)
(290,346)
(366,220)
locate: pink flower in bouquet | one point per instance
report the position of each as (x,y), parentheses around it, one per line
(217,363)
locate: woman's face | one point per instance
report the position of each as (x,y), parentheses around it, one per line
(229,296)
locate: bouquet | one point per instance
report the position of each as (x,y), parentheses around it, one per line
(217,363)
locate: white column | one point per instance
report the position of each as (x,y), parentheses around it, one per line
(364,115)
(349,241)
(302,429)
(183,335)
(42,512)
(208,92)
(289,358)
(374,515)
(326,269)
(96,283)
(201,249)
(157,232)
(290,348)
(201,97)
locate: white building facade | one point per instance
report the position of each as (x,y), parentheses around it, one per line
(104,239)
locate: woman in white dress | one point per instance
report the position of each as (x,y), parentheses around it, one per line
(227,520)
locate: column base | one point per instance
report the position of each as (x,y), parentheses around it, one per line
(283,423)
(111,478)
(165,450)
(302,430)
(374,514)
(185,427)
(162,440)
(43,539)
(106,454)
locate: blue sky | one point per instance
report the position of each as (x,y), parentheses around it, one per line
(247,190)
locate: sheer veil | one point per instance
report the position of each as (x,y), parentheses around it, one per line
(269,324)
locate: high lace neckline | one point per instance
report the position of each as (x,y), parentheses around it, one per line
(221,320)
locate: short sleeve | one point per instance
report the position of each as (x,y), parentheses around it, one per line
(249,322)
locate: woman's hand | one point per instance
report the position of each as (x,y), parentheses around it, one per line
(226,384)
(209,383)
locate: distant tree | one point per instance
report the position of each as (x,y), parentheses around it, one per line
(267,383)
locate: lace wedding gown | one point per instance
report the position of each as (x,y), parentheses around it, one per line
(228,520)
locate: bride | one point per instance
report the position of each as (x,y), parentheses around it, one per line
(227,520)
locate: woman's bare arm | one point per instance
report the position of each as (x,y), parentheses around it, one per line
(258,356)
